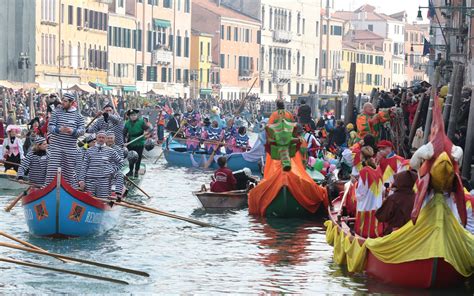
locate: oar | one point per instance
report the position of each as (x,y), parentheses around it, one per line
(136,139)
(13,203)
(103,265)
(30,264)
(136,186)
(177,132)
(9,162)
(211,157)
(139,207)
(92,121)
(27,244)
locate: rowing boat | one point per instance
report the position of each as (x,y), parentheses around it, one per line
(60,211)
(236,199)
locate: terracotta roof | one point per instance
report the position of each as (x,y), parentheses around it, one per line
(365,7)
(366,15)
(344,15)
(364,35)
(356,46)
(223,11)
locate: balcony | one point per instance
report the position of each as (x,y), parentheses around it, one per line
(245,74)
(162,56)
(281,76)
(282,36)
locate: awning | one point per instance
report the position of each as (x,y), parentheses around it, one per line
(103,86)
(129,88)
(159,23)
(82,88)
(205,91)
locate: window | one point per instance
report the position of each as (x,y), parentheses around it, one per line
(236,34)
(370,28)
(178,45)
(222,61)
(79,17)
(62,13)
(317,29)
(336,30)
(369,79)
(247,35)
(70,14)
(149,38)
(178,75)
(325,29)
(185,75)
(269,87)
(229,30)
(302,65)
(209,50)
(323,59)
(377,79)
(222,32)
(298,25)
(187,6)
(167,4)
(316,67)
(259,37)
(179,5)
(186,46)
(151,73)
(304,25)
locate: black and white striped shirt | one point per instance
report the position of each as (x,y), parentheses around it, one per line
(65,118)
(34,165)
(114,123)
(100,162)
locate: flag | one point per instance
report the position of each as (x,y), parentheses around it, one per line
(426,47)
(431,9)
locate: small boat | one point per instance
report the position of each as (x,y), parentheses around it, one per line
(424,273)
(236,199)
(60,211)
(8,182)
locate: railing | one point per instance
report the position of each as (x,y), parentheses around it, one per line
(281,76)
(282,36)
(162,56)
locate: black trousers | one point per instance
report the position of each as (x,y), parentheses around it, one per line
(135,166)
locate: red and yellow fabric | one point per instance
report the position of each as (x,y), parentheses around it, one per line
(280,114)
(437,234)
(369,200)
(302,187)
(370,124)
(391,166)
(356,159)
(470,212)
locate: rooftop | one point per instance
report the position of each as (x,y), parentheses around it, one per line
(223,11)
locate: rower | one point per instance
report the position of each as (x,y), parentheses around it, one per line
(229,136)
(108,120)
(12,148)
(223,179)
(213,134)
(88,142)
(35,163)
(65,126)
(135,127)
(174,124)
(242,140)
(117,178)
(390,163)
(244,178)
(100,165)
(193,133)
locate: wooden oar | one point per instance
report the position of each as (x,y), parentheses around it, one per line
(9,162)
(136,139)
(30,264)
(103,265)
(92,121)
(211,157)
(136,186)
(177,132)
(13,203)
(27,244)
(139,207)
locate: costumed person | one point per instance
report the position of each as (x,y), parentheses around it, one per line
(369,196)
(223,179)
(216,116)
(65,125)
(160,124)
(193,134)
(280,113)
(370,122)
(304,115)
(174,124)
(108,121)
(12,149)
(100,165)
(213,134)
(35,163)
(351,135)
(191,114)
(244,178)
(242,140)
(135,128)
(314,145)
(389,162)
(229,136)
(117,178)
(33,132)
(396,208)
(88,142)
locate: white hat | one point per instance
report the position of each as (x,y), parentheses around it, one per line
(247,172)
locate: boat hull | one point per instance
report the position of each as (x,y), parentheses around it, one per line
(427,273)
(60,211)
(223,200)
(285,205)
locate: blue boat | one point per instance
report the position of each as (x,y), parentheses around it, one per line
(177,155)
(60,211)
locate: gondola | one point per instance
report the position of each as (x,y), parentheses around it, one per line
(236,199)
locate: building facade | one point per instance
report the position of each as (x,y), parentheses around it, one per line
(235,47)
(71,37)
(17,32)
(201,64)
(415,61)
(331,55)
(163,41)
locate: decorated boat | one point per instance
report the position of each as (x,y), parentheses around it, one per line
(177,155)
(8,182)
(432,249)
(60,211)
(286,191)
(236,199)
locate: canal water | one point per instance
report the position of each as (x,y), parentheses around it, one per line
(265,256)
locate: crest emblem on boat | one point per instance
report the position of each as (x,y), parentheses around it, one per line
(41,211)
(76,212)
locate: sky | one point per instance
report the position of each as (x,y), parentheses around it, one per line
(385,6)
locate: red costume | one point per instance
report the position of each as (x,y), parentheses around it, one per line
(224,180)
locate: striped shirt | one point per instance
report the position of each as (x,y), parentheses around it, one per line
(114,123)
(65,118)
(34,165)
(100,162)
